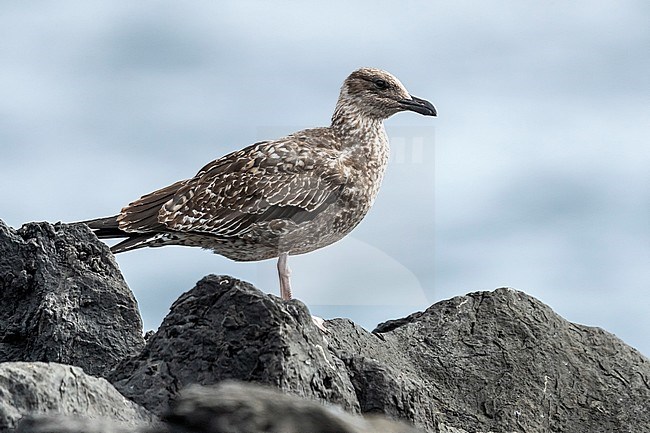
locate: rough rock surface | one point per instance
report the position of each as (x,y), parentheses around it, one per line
(232,407)
(32,388)
(226,329)
(73,424)
(497,361)
(63,299)
(490,361)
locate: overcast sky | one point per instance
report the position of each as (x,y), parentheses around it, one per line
(535,175)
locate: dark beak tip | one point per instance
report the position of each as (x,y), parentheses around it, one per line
(421,106)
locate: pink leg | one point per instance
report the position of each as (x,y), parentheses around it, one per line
(284,273)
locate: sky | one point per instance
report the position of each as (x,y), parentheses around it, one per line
(535,175)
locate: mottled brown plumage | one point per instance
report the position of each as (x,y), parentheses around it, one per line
(282,197)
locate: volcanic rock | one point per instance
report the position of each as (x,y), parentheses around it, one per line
(234,407)
(227,329)
(498,361)
(63,299)
(36,388)
(488,361)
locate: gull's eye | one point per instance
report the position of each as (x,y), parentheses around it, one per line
(380,84)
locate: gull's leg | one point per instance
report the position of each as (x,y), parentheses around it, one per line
(284,273)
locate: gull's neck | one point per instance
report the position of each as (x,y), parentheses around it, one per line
(363,142)
(355,127)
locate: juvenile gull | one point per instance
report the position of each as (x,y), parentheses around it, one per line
(277,198)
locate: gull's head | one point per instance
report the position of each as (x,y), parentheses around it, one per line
(378,94)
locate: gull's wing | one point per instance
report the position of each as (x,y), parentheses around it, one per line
(284,180)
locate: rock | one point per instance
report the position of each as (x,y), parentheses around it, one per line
(488,361)
(496,361)
(226,329)
(36,388)
(232,407)
(63,299)
(70,424)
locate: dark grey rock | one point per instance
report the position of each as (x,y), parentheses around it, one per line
(71,424)
(232,407)
(227,329)
(497,361)
(490,361)
(38,388)
(63,299)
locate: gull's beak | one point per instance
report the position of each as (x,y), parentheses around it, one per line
(418,105)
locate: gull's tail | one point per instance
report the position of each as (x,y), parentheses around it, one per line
(108,228)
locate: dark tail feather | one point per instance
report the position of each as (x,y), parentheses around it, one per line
(108,228)
(133,243)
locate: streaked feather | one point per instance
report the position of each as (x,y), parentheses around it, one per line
(291,195)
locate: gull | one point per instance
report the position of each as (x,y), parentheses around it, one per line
(280,197)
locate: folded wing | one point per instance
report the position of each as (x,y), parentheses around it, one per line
(267,181)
